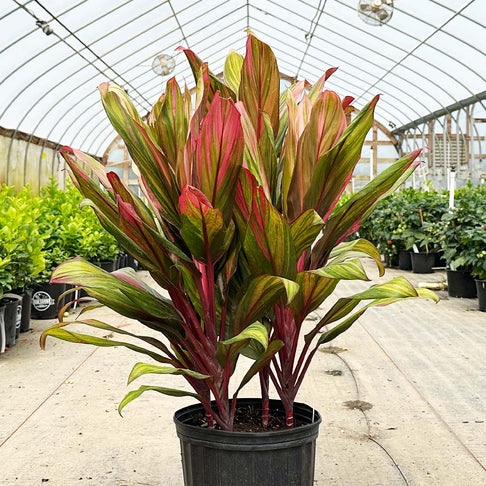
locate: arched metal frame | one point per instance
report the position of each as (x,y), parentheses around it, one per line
(306,38)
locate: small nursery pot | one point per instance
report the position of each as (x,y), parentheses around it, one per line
(3,337)
(404,260)
(481,289)
(44,300)
(12,317)
(422,262)
(460,284)
(220,458)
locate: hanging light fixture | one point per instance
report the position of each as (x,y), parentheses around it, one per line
(163,64)
(375,12)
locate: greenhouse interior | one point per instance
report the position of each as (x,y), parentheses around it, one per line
(282,203)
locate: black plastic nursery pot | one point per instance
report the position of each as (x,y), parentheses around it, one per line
(26,311)
(3,337)
(481,291)
(422,262)
(44,300)
(404,260)
(221,458)
(460,284)
(12,317)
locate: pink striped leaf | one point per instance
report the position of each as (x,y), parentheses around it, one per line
(335,168)
(346,220)
(220,154)
(326,124)
(203,227)
(260,85)
(268,242)
(172,125)
(150,160)
(216,85)
(262,293)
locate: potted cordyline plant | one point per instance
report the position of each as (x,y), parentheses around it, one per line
(238,226)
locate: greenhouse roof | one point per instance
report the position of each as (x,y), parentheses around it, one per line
(429,58)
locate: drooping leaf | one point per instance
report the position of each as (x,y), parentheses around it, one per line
(130,396)
(229,349)
(345,220)
(216,84)
(141,369)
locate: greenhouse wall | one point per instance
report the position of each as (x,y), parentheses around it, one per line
(26,162)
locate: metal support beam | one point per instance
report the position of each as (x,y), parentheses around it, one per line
(440,113)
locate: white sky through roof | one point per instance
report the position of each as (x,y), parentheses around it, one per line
(429,56)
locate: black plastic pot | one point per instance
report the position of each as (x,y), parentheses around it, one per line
(12,317)
(422,262)
(44,300)
(131,262)
(404,260)
(460,284)
(481,290)
(26,311)
(108,266)
(221,458)
(3,337)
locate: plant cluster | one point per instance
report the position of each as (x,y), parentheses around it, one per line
(69,231)
(21,255)
(462,232)
(239,225)
(39,232)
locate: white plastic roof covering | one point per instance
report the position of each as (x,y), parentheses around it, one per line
(430,55)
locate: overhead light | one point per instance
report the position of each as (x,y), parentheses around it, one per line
(163,64)
(45,27)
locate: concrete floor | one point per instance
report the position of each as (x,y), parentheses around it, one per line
(418,367)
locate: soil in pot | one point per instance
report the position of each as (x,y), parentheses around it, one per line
(481,290)
(460,284)
(404,260)
(422,262)
(283,457)
(44,300)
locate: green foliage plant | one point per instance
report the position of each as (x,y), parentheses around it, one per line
(21,255)
(239,225)
(462,232)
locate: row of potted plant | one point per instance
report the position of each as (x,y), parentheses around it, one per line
(421,222)
(37,233)
(240,225)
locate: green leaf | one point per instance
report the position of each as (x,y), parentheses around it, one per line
(130,396)
(348,270)
(76,337)
(261,294)
(232,70)
(305,229)
(357,249)
(268,242)
(260,85)
(202,226)
(228,350)
(326,124)
(144,369)
(261,362)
